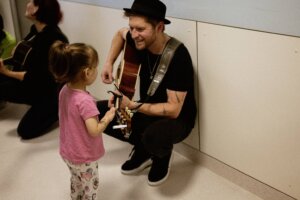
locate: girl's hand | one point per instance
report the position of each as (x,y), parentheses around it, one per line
(95,127)
(111,101)
(110,114)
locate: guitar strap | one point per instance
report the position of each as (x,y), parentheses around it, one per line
(162,68)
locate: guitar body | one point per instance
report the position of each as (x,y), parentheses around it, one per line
(126,79)
(19,56)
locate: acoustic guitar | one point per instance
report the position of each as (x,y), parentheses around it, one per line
(125,81)
(19,56)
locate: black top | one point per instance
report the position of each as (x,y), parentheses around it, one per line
(38,80)
(179,77)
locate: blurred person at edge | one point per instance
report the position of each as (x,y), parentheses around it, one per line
(35,85)
(7,41)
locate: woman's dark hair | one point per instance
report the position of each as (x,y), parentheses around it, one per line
(66,61)
(2,33)
(1,23)
(49,11)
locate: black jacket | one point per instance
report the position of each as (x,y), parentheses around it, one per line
(38,81)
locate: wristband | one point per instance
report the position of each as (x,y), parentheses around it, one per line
(137,107)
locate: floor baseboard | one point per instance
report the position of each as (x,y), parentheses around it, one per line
(245,181)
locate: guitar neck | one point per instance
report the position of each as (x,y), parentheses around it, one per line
(8,61)
(19,56)
(128,71)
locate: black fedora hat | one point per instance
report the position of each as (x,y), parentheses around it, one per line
(150,8)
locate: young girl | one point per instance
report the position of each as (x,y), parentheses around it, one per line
(81,142)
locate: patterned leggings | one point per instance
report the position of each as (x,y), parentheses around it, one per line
(84,180)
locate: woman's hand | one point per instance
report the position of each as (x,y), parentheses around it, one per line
(9,73)
(3,69)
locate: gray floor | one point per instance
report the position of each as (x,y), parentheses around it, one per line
(33,170)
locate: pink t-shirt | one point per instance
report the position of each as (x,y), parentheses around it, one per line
(76,145)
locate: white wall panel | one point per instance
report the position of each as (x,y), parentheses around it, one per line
(277,16)
(250,103)
(95,26)
(187,35)
(5,10)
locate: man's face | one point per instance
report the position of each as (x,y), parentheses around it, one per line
(142,32)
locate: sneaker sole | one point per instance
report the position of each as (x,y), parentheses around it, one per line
(143,166)
(161,181)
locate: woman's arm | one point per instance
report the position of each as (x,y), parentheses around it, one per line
(9,73)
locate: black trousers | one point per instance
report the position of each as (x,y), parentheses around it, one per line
(43,111)
(155,135)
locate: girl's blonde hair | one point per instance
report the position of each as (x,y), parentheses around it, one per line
(66,61)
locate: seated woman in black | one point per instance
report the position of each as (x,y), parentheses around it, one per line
(34,85)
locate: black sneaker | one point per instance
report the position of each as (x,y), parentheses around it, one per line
(160,170)
(138,161)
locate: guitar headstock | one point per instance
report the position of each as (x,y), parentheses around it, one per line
(124,118)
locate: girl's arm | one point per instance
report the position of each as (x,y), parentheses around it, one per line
(95,127)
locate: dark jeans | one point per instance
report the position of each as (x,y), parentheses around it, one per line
(42,114)
(155,135)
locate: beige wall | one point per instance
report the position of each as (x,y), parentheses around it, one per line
(248,86)
(250,103)
(5,10)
